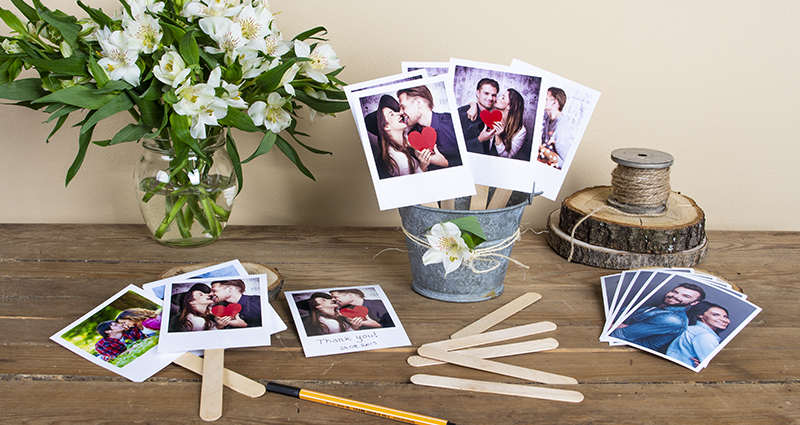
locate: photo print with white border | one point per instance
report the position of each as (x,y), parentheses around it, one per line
(345,320)
(124,346)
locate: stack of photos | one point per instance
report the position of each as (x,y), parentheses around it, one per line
(138,332)
(439,128)
(345,320)
(683,315)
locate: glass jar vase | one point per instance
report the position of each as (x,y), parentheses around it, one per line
(185,199)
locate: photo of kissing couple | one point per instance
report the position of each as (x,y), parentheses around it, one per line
(341,310)
(219,304)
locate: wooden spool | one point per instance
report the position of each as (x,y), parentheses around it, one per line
(619,235)
(274,279)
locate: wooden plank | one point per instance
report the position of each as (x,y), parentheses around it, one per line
(448,204)
(499,199)
(478,200)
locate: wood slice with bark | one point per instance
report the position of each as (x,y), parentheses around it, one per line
(680,228)
(598,256)
(274,279)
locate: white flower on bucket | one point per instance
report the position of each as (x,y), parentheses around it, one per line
(450,246)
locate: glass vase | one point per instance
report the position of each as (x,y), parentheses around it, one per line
(185,200)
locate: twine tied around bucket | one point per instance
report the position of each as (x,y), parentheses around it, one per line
(479,254)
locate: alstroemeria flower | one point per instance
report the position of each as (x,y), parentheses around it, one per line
(171,69)
(211,8)
(316,95)
(447,247)
(255,25)
(11,47)
(144,33)
(200,102)
(119,60)
(323,60)
(226,33)
(271,114)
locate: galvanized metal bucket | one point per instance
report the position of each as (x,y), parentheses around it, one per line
(462,285)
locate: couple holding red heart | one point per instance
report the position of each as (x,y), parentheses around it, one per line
(412,138)
(493,125)
(223,305)
(342,310)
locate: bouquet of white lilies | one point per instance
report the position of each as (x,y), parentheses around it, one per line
(186,71)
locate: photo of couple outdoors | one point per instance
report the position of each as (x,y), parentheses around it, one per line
(409,134)
(341,310)
(120,332)
(684,326)
(222,304)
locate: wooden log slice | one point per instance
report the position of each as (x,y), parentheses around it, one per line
(274,279)
(598,256)
(680,228)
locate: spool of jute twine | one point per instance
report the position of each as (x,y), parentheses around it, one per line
(639,185)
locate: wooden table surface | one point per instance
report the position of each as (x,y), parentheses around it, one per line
(53,274)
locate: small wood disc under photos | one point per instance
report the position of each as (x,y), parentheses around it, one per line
(274,278)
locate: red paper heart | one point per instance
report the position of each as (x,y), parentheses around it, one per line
(491,117)
(353,312)
(231,310)
(424,140)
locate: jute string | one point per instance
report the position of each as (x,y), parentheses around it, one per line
(642,187)
(480,254)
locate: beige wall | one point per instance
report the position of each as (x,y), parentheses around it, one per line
(714,83)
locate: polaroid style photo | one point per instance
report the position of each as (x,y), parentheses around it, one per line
(498,108)
(414,152)
(432,68)
(215,313)
(345,320)
(227,270)
(686,320)
(120,335)
(355,105)
(565,113)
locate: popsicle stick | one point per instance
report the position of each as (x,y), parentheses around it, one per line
(211,390)
(239,383)
(498,315)
(478,200)
(431,204)
(493,352)
(448,204)
(497,388)
(494,336)
(499,199)
(494,367)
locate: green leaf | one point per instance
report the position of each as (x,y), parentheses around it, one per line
(26,10)
(130,133)
(150,112)
(64,23)
(471,225)
(324,106)
(176,31)
(98,73)
(27,89)
(233,153)
(97,15)
(267,142)
(80,96)
(12,21)
(240,120)
(73,65)
(189,50)
(290,153)
(270,80)
(58,125)
(83,144)
(62,111)
(181,134)
(308,34)
(118,104)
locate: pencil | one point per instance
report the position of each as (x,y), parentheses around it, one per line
(344,403)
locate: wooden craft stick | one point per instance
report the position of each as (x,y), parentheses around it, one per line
(478,200)
(494,367)
(448,204)
(499,199)
(497,388)
(211,390)
(431,204)
(494,336)
(239,383)
(493,352)
(498,315)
